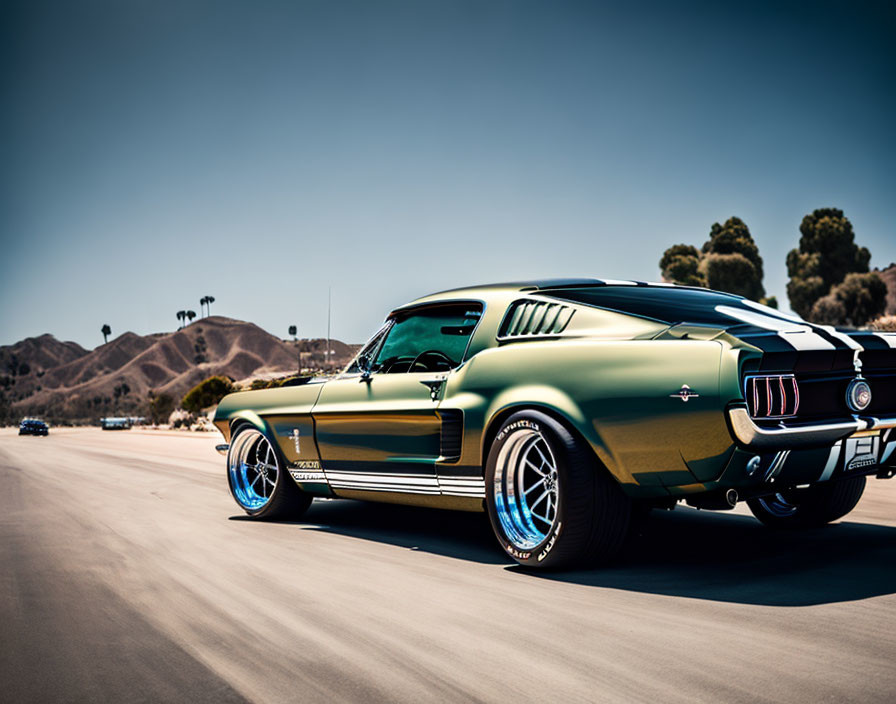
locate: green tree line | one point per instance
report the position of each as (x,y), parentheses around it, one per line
(830,282)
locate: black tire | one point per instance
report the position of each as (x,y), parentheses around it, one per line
(283,500)
(591,515)
(811,507)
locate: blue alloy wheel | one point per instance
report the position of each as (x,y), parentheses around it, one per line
(526,485)
(253,469)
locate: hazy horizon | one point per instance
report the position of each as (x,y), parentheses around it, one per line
(155,153)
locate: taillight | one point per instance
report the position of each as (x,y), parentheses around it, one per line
(772,396)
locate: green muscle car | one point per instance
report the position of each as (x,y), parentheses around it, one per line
(564,407)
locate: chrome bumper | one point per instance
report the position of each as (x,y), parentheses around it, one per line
(758,438)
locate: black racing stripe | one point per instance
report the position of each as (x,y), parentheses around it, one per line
(833,339)
(767,342)
(869,341)
(843,353)
(876,353)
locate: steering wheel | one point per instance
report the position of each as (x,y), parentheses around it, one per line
(438,357)
(387,365)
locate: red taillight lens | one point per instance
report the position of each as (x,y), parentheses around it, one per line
(772,395)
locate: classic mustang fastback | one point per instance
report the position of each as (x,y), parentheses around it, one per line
(565,407)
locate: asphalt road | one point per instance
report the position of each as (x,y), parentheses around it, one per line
(129,575)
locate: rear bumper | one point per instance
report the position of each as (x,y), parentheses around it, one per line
(751,436)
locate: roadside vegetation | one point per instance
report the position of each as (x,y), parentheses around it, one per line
(207,394)
(830,282)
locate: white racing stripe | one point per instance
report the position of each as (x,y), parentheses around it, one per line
(889,338)
(806,340)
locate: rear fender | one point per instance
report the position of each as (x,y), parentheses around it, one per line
(557,404)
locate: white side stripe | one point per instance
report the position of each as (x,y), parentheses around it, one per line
(470,487)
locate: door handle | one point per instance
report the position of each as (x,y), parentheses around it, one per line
(435,385)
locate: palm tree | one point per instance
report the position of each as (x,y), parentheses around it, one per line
(181,315)
(191,314)
(293,331)
(106,330)
(208,302)
(202,302)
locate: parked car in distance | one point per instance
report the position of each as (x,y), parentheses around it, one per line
(33,426)
(564,408)
(115,423)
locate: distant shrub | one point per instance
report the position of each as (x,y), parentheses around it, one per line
(207,393)
(292,380)
(885,324)
(159,408)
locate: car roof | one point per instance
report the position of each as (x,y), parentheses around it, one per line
(488,291)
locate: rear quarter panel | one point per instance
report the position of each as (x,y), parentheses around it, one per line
(617,395)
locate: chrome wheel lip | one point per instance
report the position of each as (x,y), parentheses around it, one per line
(526,488)
(253,470)
(778,506)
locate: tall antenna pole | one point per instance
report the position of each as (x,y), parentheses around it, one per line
(329,308)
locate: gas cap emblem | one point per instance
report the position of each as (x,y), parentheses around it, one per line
(858,395)
(685,393)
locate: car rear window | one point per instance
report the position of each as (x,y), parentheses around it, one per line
(671,305)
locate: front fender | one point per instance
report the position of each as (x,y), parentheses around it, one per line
(232,408)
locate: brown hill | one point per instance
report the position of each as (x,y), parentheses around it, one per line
(37,354)
(118,377)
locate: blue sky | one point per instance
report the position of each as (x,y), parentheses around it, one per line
(261,152)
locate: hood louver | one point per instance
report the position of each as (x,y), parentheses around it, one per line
(530,318)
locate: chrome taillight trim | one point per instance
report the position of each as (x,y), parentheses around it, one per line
(785,406)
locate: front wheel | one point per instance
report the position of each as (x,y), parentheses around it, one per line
(551,505)
(257,482)
(810,507)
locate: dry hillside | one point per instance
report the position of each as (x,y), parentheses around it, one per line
(119,376)
(889,277)
(38,354)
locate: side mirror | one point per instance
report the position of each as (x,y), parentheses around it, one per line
(364,364)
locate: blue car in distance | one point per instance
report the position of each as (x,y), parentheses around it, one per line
(33,426)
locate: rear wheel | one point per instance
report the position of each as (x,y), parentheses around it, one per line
(810,507)
(257,481)
(550,503)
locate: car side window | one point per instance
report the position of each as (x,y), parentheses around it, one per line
(429,340)
(363,359)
